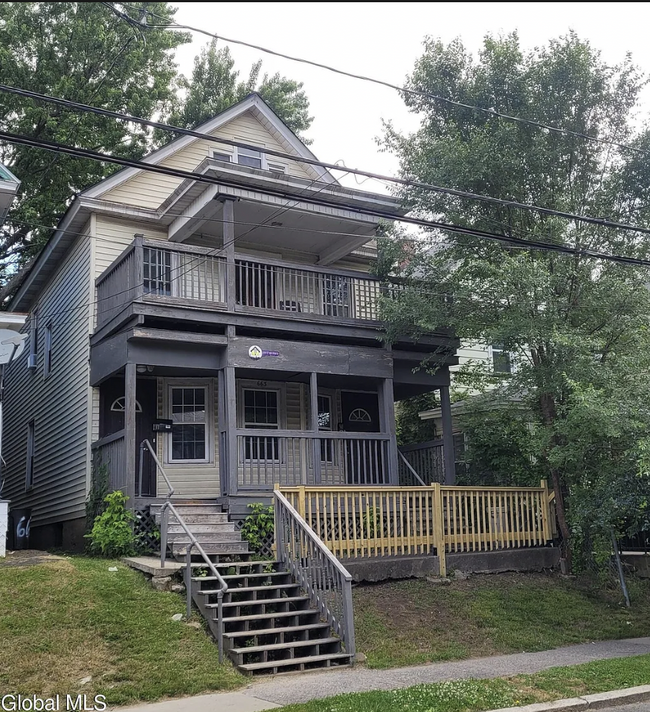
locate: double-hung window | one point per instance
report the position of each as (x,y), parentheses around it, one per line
(261,412)
(250,158)
(157,272)
(501,359)
(189,441)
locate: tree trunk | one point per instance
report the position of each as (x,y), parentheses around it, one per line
(565,546)
(549,415)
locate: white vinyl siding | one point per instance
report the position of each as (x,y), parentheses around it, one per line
(151,189)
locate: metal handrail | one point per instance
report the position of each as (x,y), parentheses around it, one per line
(147,443)
(194,544)
(413,472)
(346,589)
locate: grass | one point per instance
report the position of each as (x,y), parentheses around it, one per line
(413,622)
(481,695)
(64,621)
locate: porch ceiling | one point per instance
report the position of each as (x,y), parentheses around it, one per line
(275,226)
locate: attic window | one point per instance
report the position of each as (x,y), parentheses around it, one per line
(276,167)
(247,157)
(221,156)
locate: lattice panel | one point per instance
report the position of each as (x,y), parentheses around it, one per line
(265,550)
(147,531)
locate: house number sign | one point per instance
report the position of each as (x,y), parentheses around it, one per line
(256,353)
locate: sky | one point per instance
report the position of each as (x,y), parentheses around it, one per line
(383,40)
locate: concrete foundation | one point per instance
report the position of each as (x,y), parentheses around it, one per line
(398,567)
(493,562)
(384,569)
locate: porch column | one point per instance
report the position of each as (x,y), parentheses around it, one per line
(222,427)
(231,425)
(313,402)
(447,437)
(387,409)
(228,225)
(130,445)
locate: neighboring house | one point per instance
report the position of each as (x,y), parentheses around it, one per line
(8,323)
(233,326)
(8,189)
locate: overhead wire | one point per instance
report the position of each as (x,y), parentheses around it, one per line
(310,199)
(407,182)
(381,82)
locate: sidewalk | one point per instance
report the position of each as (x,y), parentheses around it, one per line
(283,690)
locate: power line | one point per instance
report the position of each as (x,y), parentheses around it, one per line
(420,222)
(601,222)
(389,85)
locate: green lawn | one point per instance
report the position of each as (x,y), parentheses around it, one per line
(481,695)
(71,619)
(413,622)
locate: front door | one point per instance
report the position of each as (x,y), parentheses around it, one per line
(146,392)
(364,458)
(112,421)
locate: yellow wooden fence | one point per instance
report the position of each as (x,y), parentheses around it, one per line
(363,522)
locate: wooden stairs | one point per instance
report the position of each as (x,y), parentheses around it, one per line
(269,624)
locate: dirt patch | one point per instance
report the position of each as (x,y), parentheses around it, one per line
(29,557)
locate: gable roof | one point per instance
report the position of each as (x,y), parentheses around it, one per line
(252,103)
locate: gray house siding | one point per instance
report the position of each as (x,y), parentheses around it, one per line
(58,403)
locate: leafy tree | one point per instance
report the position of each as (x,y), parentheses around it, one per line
(215,85)
(410,427)
(579,327)
(86,53)
(501,444)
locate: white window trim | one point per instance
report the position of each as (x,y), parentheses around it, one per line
(47,351)
(513,361)
(209,420)
(222,152)
(31,450)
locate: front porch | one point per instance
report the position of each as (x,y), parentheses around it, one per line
(233,435)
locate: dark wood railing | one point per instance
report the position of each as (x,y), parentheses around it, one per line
(287,457)
(151,270)
(424,460)
(109,452)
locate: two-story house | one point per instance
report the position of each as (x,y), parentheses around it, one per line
(231,319)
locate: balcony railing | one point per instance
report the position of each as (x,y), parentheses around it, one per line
(268,457)
(194,276)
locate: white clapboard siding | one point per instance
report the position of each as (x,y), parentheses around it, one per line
(150,190)
(58,403)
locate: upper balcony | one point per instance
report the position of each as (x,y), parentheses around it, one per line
(151,271)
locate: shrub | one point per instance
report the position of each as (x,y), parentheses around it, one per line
(112,533)
(96,502)
(258,528)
